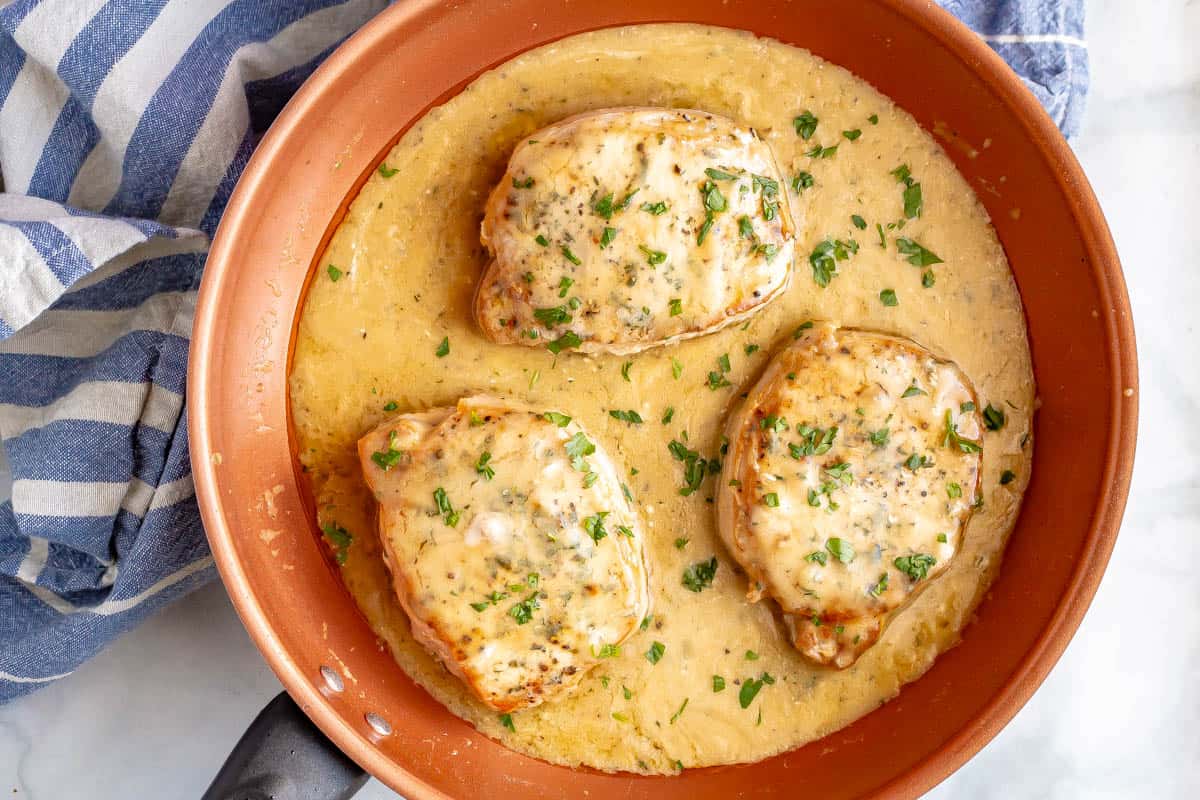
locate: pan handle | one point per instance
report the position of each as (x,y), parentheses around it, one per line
(283,756)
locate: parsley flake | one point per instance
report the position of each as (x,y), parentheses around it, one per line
(699,576)
(805,125)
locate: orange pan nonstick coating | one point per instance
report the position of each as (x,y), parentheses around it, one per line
(296,189)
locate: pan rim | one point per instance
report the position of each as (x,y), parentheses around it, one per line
(1104,520)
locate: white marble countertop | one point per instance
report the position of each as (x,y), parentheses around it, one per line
(156,713)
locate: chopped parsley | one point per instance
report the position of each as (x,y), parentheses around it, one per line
(852,134)
(390,405)
(917,255)
(713,199)
(801,181)
(625,367)
(768,250)
(859,222)
(607,651)
(522,612)
(745,228)
(915,566)
(675,306)
(569,256)
(563,285)
(912,192)
(555,315)
(716,378)
(561,420)
(676,715)
(387,171)
(941,537)
(873,119)
(720,175)
(953,490)
(749,690)
(657,209)
(912,201)
(443,349)
(629,416)
(594,525)
(626,200)
(681,542)
(718,684)
(603,207)
(578,448)
(915,462)
(805,125)
(888,298)
(826,255)
(840,549)
(386,459)
(449,515)
(483,467)
(771,500)
(770,193)
(335,274)
(751,655)
(699,576)
(817,557)
(951,439)
(928,279)
(568,340)
(880,586)
(913,390)
(668,415)
(774,423)
(695,467)
(822,152)
(653,257)
(525,184)
(676,368)
(506,721)
(813,441)
(542,240)
(879,437)
(993,418)
(606,238)
(655,653)
(339,539)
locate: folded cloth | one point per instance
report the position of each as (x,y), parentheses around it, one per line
(124,125)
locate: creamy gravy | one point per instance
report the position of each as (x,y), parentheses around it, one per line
(407,258)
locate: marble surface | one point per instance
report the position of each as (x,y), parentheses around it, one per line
(155,714)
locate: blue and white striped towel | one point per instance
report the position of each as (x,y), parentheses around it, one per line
(124,125)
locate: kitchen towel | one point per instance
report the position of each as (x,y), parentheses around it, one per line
(124,125)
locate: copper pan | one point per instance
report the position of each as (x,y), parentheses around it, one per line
(296,189)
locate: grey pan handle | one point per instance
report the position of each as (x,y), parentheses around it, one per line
(283,756)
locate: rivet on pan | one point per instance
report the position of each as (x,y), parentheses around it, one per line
(379,724)
(332,679)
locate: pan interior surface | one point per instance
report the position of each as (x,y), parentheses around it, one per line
(408,259)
